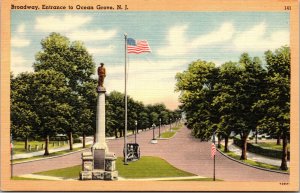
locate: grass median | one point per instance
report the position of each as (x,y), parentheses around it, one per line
(146,167)
(170,133)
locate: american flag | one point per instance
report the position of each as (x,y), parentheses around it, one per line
(213,150)
(137,46)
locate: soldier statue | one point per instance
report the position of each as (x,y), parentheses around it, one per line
(101,75)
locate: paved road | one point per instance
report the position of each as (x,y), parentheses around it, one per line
(183,151)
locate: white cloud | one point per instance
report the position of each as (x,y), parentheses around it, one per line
(61,23)
(18,41)
(178,43)
(101,50)
(223,34)
(21,28)
(92,35)
(257,39)
(19,63)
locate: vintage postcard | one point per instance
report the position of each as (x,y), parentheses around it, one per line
(145,95)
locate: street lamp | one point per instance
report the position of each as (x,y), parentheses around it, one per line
(135,130)
(153,127)
(159,127)
(214,142)
(170,124)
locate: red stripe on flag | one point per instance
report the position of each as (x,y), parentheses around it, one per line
(141,46)
(213,150)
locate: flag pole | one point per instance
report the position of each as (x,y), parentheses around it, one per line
(214,158)
(11,156)
(125,129)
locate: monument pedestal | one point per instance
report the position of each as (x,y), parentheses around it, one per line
(99,164)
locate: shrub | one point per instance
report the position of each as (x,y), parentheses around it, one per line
(260,150)
(76,140)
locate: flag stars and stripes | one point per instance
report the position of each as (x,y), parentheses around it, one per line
(137,46)
(213,150)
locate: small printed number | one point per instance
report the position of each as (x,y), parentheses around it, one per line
(284,183)
(287,8)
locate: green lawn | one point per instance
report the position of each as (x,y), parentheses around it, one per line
(197,179)
(146,167)
(167,134)
(18,146)
(176,128)
(51,155)
(22,178)
(271,145)
(251,162)
(70,172)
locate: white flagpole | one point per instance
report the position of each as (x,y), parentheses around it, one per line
(125,133)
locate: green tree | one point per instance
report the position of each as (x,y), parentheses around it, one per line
(115,113)
(275,101)
(225,101)
(50,102)
(72,59)
(197,92)
(249,90)
(23,117)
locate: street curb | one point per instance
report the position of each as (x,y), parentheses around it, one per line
(269,170)
(51,157)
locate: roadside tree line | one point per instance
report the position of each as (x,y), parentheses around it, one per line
(239,97)
(59,97)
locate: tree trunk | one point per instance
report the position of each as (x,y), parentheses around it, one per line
(116,132)
(47,145)
(256,135)
(83,140)
(244,148)
(70,140)
(26,143)
(284,152)
(278,139)
(219,141)
(226,144)
(95,137)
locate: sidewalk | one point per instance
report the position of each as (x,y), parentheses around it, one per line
(43,177)
(37,153)
(255,157)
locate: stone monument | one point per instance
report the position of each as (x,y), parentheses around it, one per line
(99,163)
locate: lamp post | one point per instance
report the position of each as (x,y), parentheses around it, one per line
(159,127)
(170,124)
(135,130)
(214,142)
(153,127)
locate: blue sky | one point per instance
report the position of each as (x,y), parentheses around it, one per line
(176,39)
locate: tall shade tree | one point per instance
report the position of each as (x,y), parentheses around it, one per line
(249,89)
(50,102)
(23,117)
(225,101)
(275,102)
(115,113)
(197,91)
(73,60)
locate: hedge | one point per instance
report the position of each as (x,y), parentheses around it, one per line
(259,150)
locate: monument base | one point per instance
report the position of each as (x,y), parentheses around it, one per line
(99,164)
